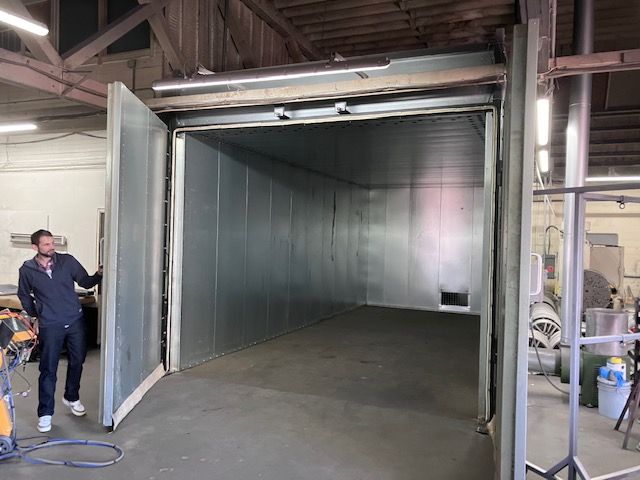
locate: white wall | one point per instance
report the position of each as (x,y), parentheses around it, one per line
(58,185)
(601,217)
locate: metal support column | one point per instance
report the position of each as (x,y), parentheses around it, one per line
(577,157)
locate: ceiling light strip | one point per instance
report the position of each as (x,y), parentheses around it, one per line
(22,23)
(628,178)
(17,127)
(282,72)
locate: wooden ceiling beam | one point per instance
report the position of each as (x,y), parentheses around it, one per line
(281,24)
(479,14)
(359,21)
(374,37)
(480,22)
(320,19)
(383,46)
(364,30)
(26,72)
(327,7)
(294,3)
(593,63)
(459,8)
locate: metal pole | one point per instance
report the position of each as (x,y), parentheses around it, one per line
(577,156)
(577,272)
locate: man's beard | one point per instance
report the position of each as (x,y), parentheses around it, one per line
(48,253)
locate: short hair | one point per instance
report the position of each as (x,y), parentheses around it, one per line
(35,236)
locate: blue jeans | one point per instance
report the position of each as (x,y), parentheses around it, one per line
(52,339)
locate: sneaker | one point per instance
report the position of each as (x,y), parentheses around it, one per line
(77,408)
(44,423)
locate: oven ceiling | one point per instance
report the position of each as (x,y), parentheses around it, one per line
(392,152)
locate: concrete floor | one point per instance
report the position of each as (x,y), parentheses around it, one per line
(372,394)
(599,446)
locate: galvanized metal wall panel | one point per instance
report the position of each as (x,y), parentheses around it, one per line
(341,247)
(199,252)
(424,246)
(422,240)
(376,246)
(328,246)
(258,266)
(299,272)
(280,249)
(362,251)
(477,250)
(396,252)
(232,226)
(289,250)
(315,242)
(456,231)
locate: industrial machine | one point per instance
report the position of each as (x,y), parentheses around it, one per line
(17,339)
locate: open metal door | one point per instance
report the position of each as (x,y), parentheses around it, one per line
(131,356)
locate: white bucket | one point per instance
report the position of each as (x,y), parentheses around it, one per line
(611,399)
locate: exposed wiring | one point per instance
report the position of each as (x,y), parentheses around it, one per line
(25,453)
(535,347)
(84,134)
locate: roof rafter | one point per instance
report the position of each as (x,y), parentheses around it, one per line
(26,72)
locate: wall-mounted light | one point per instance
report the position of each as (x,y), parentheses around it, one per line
(22,23)
(628,178)
(543,113)
(543,160)
(281,72)
(17,127)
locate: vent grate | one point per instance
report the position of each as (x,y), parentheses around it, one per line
(454,299)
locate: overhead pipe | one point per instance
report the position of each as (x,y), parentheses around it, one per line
(577,161)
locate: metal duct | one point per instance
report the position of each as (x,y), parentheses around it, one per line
(577,159)
(604,321)
(549,361)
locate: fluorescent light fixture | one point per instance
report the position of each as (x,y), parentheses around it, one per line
(543,108)
(17,127)
(22,23)
(543,160)
(281,72)
(628,178)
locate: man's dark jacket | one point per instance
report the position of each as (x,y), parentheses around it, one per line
(56,301)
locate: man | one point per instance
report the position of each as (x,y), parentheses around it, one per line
(46,290)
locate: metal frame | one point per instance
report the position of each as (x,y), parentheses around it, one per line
(486,309)
(174,320)
(573,297)
(317,114)
(111,245)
